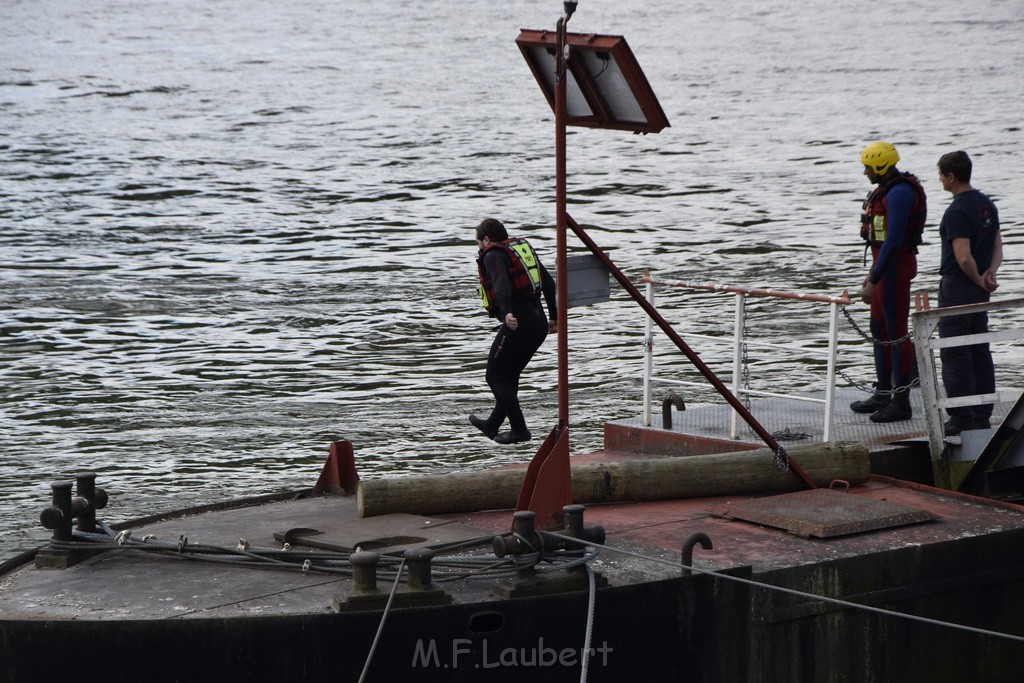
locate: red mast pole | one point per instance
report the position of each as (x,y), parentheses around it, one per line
(547,485)
(561,223)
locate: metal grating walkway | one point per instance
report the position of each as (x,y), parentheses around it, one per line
(789,419)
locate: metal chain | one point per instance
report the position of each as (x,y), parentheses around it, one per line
(745,362)
(780,460)
(786,435)
(871,339)
(745,370)
(916,382)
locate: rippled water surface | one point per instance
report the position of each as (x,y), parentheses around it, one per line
(232,232)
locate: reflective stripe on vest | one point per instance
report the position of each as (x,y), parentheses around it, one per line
(523,275)
(873,213)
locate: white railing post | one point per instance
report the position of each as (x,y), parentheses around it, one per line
(925,322)
(923,327)
(737,359)
(648,358)
(830,370)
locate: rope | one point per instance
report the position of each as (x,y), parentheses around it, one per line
(585,666)
(450,568)
(380,627)
(809,596)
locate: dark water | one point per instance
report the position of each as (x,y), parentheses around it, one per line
(232,232)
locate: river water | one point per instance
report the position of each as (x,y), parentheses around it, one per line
(232,232)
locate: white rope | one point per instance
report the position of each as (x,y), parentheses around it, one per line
(380,627)
(590,625)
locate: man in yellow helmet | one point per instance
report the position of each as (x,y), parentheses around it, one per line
(892,224)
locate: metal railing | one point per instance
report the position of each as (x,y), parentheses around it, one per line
(741,343)
(925,321)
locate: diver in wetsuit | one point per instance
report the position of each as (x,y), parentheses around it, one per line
(512,280)
(892,224)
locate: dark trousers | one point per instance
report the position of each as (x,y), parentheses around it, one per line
(966,370)
(510,354)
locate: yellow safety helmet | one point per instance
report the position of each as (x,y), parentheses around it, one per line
(879,157)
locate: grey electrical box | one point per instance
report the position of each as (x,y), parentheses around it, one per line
(588,280)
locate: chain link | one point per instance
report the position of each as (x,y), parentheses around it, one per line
(871,339)
(870,388)
(916,382)
(786,435)
(781,460)
(745,371)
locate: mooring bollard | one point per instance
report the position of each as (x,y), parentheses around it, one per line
(65,509)
(417,562)
(574,526)
(364,572)
(96,499)
(59,515)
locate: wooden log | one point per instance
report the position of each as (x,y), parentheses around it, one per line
(743,472)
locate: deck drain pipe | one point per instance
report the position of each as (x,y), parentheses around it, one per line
(698,538)
(673,399)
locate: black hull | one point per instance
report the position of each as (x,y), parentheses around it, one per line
(688,629)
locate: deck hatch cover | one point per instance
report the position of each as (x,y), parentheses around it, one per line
(825,513)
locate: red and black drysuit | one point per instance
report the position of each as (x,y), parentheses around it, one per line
(895,213)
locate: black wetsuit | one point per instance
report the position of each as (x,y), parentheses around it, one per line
(511,351)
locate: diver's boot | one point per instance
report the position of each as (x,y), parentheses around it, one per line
(517,426)
(484,426)
(898,409)
(872,404)
(514,436)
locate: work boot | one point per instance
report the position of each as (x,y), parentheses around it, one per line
(513,436)
(871,405)
(897,410)
(483,426)
(955,425)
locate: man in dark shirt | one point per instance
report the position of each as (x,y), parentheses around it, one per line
(972,251)
(512,279)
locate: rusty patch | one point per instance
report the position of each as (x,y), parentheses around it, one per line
(825,513)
